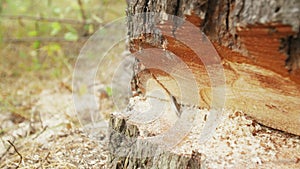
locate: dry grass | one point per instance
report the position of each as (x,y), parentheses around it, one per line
(66,149)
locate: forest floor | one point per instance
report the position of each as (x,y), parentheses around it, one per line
(52,138)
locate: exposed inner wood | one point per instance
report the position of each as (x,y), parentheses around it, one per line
(258,81)
(266,31)
(264,44)
(256,84)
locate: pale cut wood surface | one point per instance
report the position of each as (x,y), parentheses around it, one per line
(266,96)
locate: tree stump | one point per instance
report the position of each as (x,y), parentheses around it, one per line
(259,47)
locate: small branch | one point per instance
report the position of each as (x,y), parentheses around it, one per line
(45,39)
(81,10)
(41,18)
(41,39)
(83,16)
(21,158)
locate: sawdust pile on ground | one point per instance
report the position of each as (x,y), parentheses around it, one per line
(239,141)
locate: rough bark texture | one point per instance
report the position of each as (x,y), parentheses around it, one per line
(259,44)
(142,154)
(275,24)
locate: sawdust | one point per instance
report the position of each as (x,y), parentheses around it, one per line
(238,142)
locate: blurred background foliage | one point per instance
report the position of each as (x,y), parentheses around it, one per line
(39,43)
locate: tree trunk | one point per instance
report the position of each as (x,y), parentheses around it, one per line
(259,46)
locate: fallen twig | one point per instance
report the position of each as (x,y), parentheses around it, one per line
(21,158)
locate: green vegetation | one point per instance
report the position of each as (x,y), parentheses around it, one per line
(39,43)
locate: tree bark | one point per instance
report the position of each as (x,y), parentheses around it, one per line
(259,44)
